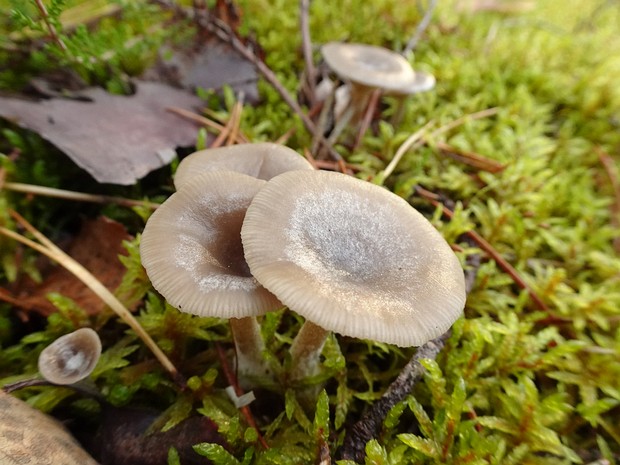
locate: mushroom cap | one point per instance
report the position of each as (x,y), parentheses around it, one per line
(368,65)
(422,82)
(71,357)
(262,160)
(353,258)
(192,252)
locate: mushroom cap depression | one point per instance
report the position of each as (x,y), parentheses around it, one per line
(353,258)
(368,65)
(262,160)
(192,252)
(71,357)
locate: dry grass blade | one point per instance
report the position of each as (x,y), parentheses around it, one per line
(240,138)
(50,250)
(78,196)
(409,143)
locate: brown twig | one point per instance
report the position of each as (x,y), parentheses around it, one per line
(232,381)
(487,248)
(50,26)
(422,26)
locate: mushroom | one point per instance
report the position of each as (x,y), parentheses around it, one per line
(192,252)
(353,258)
(262,160)
(71,357)
(366,68)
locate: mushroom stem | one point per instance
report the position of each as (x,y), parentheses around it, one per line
(251,366)
(358,101)
(306,350)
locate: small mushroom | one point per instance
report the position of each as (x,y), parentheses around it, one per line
(71,357)
(262,160)
(192,252)
(366,68)
(353,258)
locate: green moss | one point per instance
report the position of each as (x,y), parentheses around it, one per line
(516,384)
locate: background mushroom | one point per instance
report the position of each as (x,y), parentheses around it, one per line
(192,252)
(366,68)
(71,357)
(353,258)
(262,160)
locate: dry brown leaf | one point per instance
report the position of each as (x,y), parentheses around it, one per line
(97,247)
(117,139)
(29,436)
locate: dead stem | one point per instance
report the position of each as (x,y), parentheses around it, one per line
(53,252)
(612,173)
(232,381)
(50,27)
(72,195)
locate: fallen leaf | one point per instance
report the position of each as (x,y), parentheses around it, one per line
(97,247)
(117,139)
(209,66)
(29,436)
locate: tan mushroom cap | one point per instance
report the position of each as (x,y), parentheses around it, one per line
(192,252)
(353,258)
(71,357)
(368,65)
(422,82)
(262,160)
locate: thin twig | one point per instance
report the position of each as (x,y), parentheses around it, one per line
(373,101)
(50,27)
(232,381)
(422,26)
(306,46)
(369,425)
(225,34)
(50,250)
(72,195)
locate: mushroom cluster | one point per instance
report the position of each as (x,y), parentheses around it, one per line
(365,68)
(349,256)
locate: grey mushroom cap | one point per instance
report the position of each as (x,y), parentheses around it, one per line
(71,357)
(192,252)
(422,82)
(262,160)
(353,258)
(368,65)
